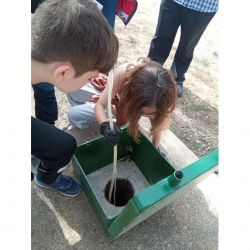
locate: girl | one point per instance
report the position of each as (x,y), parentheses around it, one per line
(142,89)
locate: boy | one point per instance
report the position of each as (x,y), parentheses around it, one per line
(71,43)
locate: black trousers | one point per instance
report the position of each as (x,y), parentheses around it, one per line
(45,103)
(193,24)
(34,5)
(53,147)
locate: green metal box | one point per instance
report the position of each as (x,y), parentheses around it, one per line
(164,183)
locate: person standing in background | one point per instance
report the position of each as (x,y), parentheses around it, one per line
(109,11)
(193,16)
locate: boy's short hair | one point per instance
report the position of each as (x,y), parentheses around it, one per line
(73,31)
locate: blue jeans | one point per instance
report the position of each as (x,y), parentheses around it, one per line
(109,11)
(81,114)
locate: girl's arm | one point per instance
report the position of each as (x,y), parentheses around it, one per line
(157,134)
(103,100)
(157,138)
(99,110)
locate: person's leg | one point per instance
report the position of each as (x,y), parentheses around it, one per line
(82,111)
(109,11)
(55,149)
(82,95)
(45,102)
(81,115)
(168,23)
(193,24)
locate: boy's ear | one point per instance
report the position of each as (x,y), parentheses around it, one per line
(64,72)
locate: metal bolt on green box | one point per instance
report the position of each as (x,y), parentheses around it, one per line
(165,184)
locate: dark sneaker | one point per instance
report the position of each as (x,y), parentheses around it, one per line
(64,184)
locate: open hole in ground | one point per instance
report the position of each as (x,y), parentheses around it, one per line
(124,192)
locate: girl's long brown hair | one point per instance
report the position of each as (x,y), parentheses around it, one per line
(147,84)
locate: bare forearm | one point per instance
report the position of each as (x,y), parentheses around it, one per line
(156,138)
(157,134)
(100,113)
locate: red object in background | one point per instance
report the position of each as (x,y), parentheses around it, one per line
(126,9)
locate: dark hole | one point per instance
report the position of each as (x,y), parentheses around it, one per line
(124,192)
(179,175)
